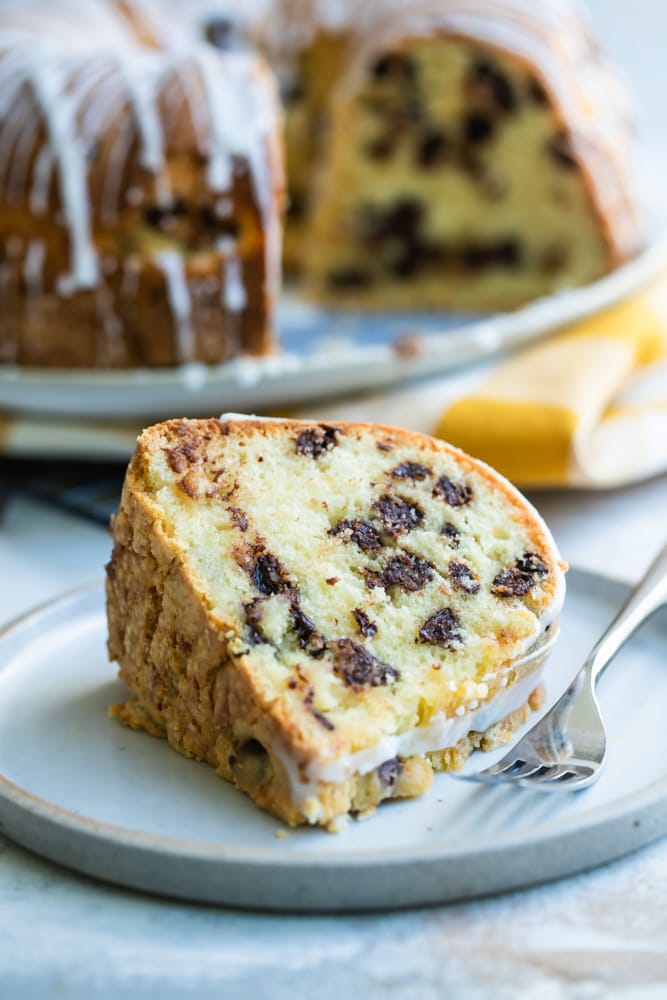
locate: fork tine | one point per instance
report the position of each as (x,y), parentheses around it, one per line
(555,772)
(525,770)
(504,767)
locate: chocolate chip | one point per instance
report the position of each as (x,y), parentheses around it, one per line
(390,771)
(269,575)
(394,66)
(410,470)
(384,446)
(507,252)
(464,578)
(451,533)
(432,148)
(349,278)
(381,148)
(474,257)
(517,580)
(160,216)
(456,494)
(485,76)
(530,562)
(308,635)
(560,150)
(358,667)
(361,532)
(405,217)
(504,252)
(398,515)
(399,223)
(477,128)
(418,255)
(404,571)
(367,627)
(316,440)
(219,224)
(441,629)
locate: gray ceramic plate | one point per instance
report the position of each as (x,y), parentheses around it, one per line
(80,789)
(323,352)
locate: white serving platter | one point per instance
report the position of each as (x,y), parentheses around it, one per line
(78,788)
(323,353)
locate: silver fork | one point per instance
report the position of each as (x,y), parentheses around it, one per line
(566,749)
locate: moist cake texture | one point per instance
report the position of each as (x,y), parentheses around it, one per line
(450,153)
(325,613)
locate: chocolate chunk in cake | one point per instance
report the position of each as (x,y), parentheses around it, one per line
(361,532)
(316,440)
(358,667)
(411,470)
(456,494)
(451,533)
(367,626)
(397,515)
(519,579)
(405,571)
(269,575)
(441,629)
(464,578)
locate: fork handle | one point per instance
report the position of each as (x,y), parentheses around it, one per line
(649,595)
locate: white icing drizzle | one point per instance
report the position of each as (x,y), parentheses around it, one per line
(33,268)
(234,297)
(178,293)
(41,181)
(60,120)
(113,176)
(439,733)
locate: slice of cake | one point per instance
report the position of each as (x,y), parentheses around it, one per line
(325,613)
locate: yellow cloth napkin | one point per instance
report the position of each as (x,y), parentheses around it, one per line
(587,407)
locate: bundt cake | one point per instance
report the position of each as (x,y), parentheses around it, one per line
(467,154)
(471,154)
(326,613)
(140,190)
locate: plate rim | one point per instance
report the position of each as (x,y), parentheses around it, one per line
(376,365)
(186,849)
